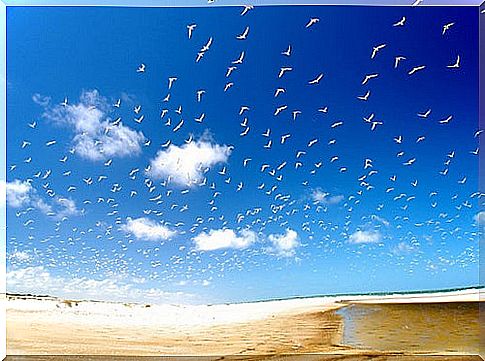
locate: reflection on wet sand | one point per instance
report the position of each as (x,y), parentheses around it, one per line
(418,327)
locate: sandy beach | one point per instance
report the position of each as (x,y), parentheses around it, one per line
(50,326)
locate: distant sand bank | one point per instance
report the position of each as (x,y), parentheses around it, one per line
(307,325)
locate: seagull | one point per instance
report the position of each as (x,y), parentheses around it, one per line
(336,124)
(267,133)
(283,70)
(246,131)
(278,91)
(32,125)
(51,142)
(447,27)
(477,133)
(446,120)
(228,85)
(64,103)
(397,59)
(287,52)
(246,161)
(410,161)
(457,63)
(369,118)
(416,68)
(246,9)
(280,109)
(316,80)
(171,80)
(140,119)
(398,140)
(375,49)
(141,68)
(268,145)
(200,55)
(137,109)
(375,124)
(369,77)
(311,22)
(243,109)
(207,45)
(312,142)
(295,113)
(463,181)
(417,2)
(117,104)
(179,125)
(244,35)
(230,70)
(190,29)
(199,94)
(240,59)
(400,22)
(284,137)
(425,114)
(364,97)
(201,118)
(323,110)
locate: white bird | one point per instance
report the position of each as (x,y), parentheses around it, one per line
(311,22)
(246,9)
(425,114)
(284,70)
(171,80)
(398,140)
(230,70)
(397,60)
(117,104)
(179,125)
(316,80)
(364,97)
(416,68)
(32,125)
(201,118)
(369,118)
(240,59)
(446,120)
(400,22)
(280,109)
(447,27)
(141,68)
(244,34)
(244,108)
(64,103)
(312,142)
(369,77)
(375,124)
(200,55)
(417,2)
(199,94)
(295,114)
(228,85)
(51,142)
(140,119)
(137,109)
(284,137)
(456,64)
(207,45)
(190,29)
(287,52)
(376,49)
(246,131)
(279,91)
(267,133)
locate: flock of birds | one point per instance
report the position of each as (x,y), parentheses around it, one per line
(103,248)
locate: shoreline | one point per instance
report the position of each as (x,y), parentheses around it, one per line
(313,325)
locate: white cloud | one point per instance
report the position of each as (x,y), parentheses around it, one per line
(479,218)
(19,256)
(185,164)
(146,229)
(18,193)
(22,194)
(39,281)
(285,244)
(95,138)
(320,196)
(365,237)
(224,238)
(403,247)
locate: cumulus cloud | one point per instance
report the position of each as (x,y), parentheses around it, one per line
(17,193)
(21,194)
(95,138)
(224,238)
(39,281)
(403,247)
(320,196)
(365,237)
(147,229)
(185,164)
(285,244)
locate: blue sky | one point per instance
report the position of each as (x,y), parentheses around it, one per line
(163,209)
